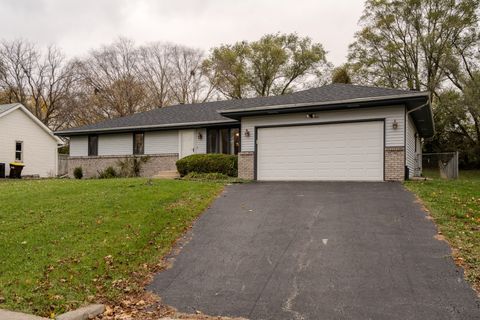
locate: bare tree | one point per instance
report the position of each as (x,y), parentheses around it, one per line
(187,81)
(152,70)
(109,73)
(121,79)
(39,80)
(112,81)
(13,57)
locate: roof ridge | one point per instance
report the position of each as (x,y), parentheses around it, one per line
(208,111)
(275,96)
(375,87)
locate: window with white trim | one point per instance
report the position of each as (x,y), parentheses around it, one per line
(19,151)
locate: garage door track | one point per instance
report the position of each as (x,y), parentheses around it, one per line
(319,250)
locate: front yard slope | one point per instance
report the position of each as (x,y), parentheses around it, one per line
(67,242)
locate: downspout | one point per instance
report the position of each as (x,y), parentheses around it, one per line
(406,120)
(418,108)
(405,128)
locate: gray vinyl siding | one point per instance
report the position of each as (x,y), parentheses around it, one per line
(79,146)
(117,144)
(156,142)
(413,158)
(419,170)
(393,137)
(160,142)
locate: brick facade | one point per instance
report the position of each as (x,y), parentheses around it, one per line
(92,165)
(394,163)
(246,164)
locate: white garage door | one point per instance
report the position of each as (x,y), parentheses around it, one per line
(346,151)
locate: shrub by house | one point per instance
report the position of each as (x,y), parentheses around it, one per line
(208,163)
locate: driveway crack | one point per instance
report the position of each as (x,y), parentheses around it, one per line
(288,305)
(271,274)
(302,265)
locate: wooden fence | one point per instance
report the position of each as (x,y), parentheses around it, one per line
(62,164)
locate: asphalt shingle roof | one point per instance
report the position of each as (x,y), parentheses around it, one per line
(208,111)
(6,107)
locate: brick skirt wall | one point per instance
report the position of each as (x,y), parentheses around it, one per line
(92,165)
(394,163)
(246,164)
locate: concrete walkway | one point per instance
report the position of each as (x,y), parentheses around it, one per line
(10,315)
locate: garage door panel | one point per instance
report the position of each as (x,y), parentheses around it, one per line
(349,151)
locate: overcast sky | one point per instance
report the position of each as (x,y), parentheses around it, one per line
(79,25)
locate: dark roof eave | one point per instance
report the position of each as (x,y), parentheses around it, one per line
(173,126)
(330,105)
(238,114)
(423,118)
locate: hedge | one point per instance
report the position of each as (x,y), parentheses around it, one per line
(209,163)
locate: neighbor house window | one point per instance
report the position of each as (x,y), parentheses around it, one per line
(18,151)
(93,145)
(223,140)
(138,143)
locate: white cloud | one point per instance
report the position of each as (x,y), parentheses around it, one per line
(79,25)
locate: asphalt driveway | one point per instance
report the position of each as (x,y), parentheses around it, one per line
(319,250)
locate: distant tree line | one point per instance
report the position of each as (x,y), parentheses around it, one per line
(122,78)
(115,80)
(426,45)
(429,45)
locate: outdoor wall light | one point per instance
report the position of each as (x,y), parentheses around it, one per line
(395,124)
(247,133)
(200,136)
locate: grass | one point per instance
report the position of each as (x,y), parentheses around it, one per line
(212,177)
(67,242)
(455,207)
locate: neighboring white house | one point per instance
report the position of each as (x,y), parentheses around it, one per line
(24,138)
(334,132)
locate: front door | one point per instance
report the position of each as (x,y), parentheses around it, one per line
(187,142)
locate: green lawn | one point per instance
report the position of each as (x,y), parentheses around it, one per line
(66,242)
(455,206)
